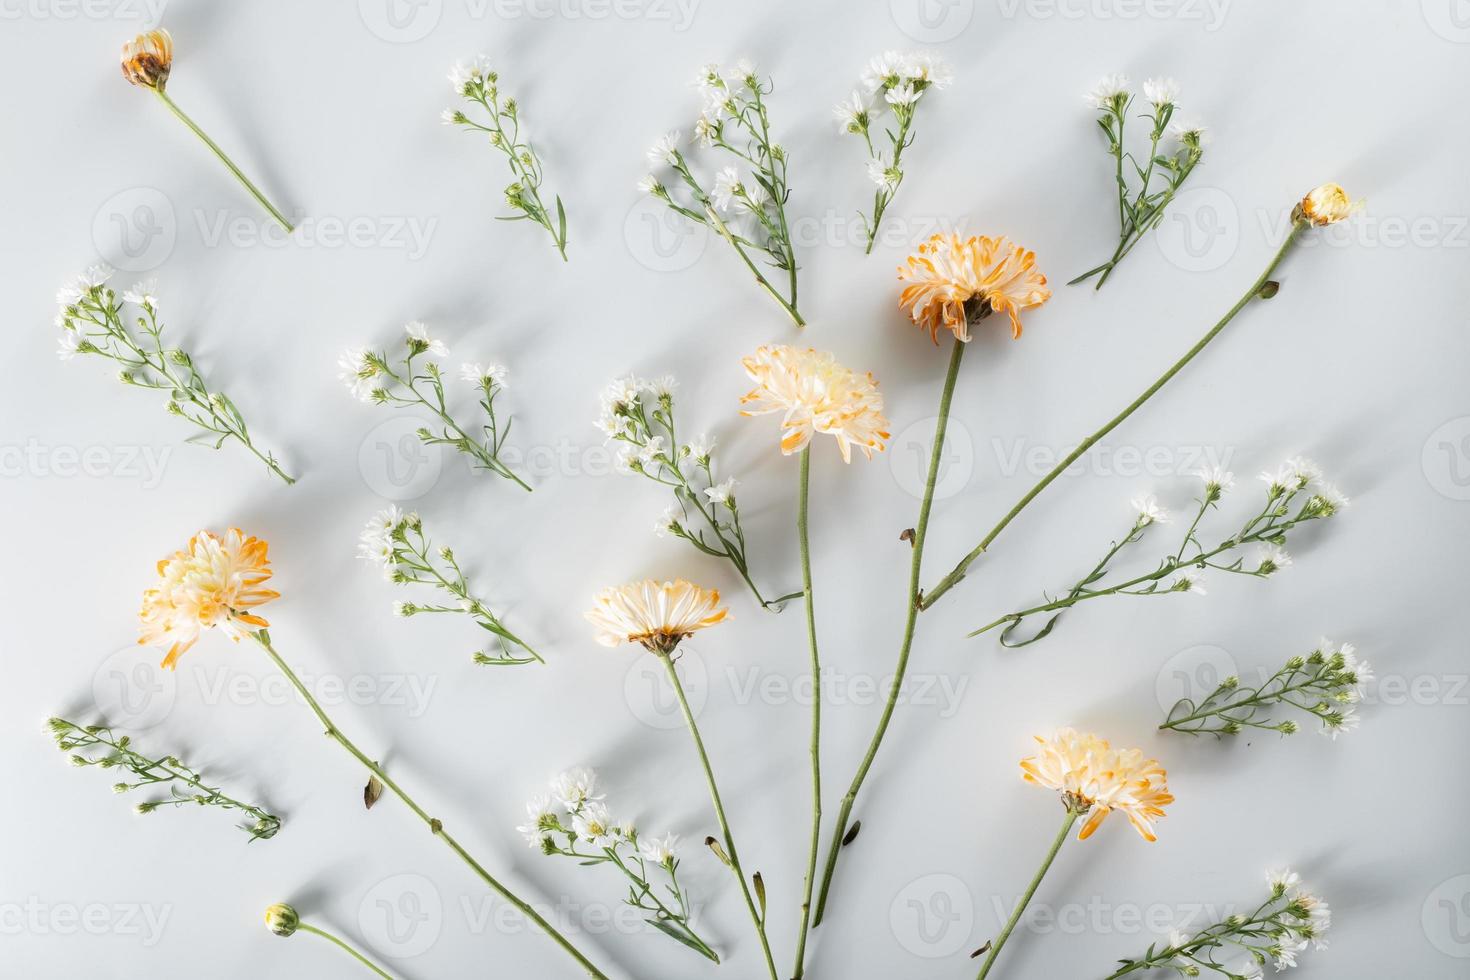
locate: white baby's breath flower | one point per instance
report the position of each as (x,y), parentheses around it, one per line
(649,184)
(727,186)
(884,176)
(463,74)
(1272,559)
(669,522)
(1149,510)
(68,344)
(1282,880)
(665,149)
(356,370)
(1105,93)
(853,115)
(593,824)
(418,336)
(1216,479)
(883,71)
(1190,580)
(538,813)
(1161,90)
(1191,133)
(662,387)
(143,294)
(478,374)
(707,129)
(574,787)
(659,850)
(903,95)
(701,446)
(722,493)
(927,67)
(1340,723)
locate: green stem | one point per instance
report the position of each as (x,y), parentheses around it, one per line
(714,795)
(303,927)
(254,191)
(1051,856)
(911,602)
(435,826)
(958,573)
(803,498)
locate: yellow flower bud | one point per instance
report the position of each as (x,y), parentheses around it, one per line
(281,919)
(146,59)
(1326,205)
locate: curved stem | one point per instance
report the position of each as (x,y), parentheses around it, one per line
(912,603)
(340,944)
(949,581)
(263,639)
(714,795)
(254,191)
(1051,856)
(803,498)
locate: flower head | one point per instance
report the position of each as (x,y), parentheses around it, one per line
(1148,509)
(1108,92)
(816,394)
(574,788)
(953,282)
(420,342)
(658,615)
(1161,91)
(659,850)
(665,149)
(853,115)
(484,374)
(1326,205)
(539,819)
(593,824)
(1096,779)
(281,919)
(210,584)
(147,58)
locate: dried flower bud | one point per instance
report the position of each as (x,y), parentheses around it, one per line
(146,59)
(1326,205)
(281,919)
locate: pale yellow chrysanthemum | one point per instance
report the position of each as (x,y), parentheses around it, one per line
(147,58)
(954,281)
(1327,205)
(816,394)
(1096,779)
(657,615)
(209,585)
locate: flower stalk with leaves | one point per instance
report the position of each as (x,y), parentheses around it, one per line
(396,542)
(92,322)
(1278,930)
(1144,190)
(572,822)
(893,80)
(705,512)
(748,212)
(479,85)
(146,62)
(1295,496)
(97,745)
(1325,683)
(373,378)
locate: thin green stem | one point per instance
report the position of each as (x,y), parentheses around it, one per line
(340,944)
(802,511)
(1051,856)
(254,191)
(435,826)
(949,581)
(911,604)
(714,795)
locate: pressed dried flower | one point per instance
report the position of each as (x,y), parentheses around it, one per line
(954,281)
(1326,205)
(147,58)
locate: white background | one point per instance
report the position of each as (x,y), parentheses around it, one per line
(1359,362)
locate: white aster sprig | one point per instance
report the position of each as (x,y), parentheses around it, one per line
(1145,188)
(745,201)
(1327,683)
(1241,946)
(640,414)
(479,85)
(374,378)
(94,321)
(570,821)
(395,541)
(1295,495)
(893,81)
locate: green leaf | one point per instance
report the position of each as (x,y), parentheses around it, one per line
(674,932)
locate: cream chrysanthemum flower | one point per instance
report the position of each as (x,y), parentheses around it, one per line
(1327,205)
(954,281)
(1096,779)
(658,615)
(210,584)
(147,58)
(816,394)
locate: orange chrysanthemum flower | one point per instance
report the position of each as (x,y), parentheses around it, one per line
(147,58)
(1096,779)
(1327,205)
(209,585)
(954,282)
(658,615)
(816,394)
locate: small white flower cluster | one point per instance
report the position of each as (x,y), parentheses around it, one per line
(382,537)
(1111,94)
